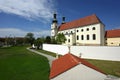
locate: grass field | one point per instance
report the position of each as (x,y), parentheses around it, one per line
(16,63)
(109,67)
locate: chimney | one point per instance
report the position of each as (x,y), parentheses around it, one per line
(63,20)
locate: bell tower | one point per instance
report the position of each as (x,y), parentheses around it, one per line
(54,26)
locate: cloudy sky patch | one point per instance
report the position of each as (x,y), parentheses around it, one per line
(14,32)
(30,9)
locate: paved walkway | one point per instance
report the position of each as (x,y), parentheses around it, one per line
(50,58)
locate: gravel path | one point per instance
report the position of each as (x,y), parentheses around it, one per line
(50,58)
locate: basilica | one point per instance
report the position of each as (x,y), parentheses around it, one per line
(85,31)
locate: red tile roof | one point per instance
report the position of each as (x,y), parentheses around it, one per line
(92,19)
(67,62)
(113,33)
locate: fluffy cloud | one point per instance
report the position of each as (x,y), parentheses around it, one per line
(30,9)
(11,32)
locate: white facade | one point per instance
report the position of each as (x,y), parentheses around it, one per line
(53,29)
(86,35)
(80,72)
(70,35)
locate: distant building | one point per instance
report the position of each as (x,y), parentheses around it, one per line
(85,31)
(113,37)
(70,67)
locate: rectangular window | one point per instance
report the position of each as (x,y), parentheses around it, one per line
(77,37)
(68,40)
(94,37)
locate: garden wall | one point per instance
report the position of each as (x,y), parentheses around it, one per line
(89,52)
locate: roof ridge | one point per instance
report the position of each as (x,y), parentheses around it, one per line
(66,62)
(84,62)
(74,58)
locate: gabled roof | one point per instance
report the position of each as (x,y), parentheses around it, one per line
(67,62)
(92,19)
(113,33)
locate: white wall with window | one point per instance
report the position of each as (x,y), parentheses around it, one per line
(70,36)
(86,35)
(91,34)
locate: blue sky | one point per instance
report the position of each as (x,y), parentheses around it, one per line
(18,17)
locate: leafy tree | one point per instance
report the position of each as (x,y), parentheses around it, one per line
(48,39)
(30,38)
(60,38)
(39,42)
(19,41)
(53,41)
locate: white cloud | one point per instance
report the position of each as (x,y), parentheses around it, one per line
(14,32)
(30,9)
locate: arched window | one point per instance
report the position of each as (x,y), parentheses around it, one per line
(88,37)
(68,40)
(82,37)
(94,36)
(93,28)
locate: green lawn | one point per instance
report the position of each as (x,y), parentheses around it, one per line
(48,53)
(17,63)
(109,67)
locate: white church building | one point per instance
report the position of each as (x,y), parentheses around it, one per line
(84,31)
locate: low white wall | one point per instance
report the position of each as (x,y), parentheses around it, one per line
(90,52)
(60,49)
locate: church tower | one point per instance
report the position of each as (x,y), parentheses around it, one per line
(54,26)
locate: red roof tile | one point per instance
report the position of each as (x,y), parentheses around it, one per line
(92,19)
(67,62)
(113,33)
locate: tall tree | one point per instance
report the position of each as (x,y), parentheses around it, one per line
(30,38)
(38,42)
(48,39)
(60,38)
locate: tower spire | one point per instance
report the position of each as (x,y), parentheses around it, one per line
(54,25)
(54,17)
(63,19)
